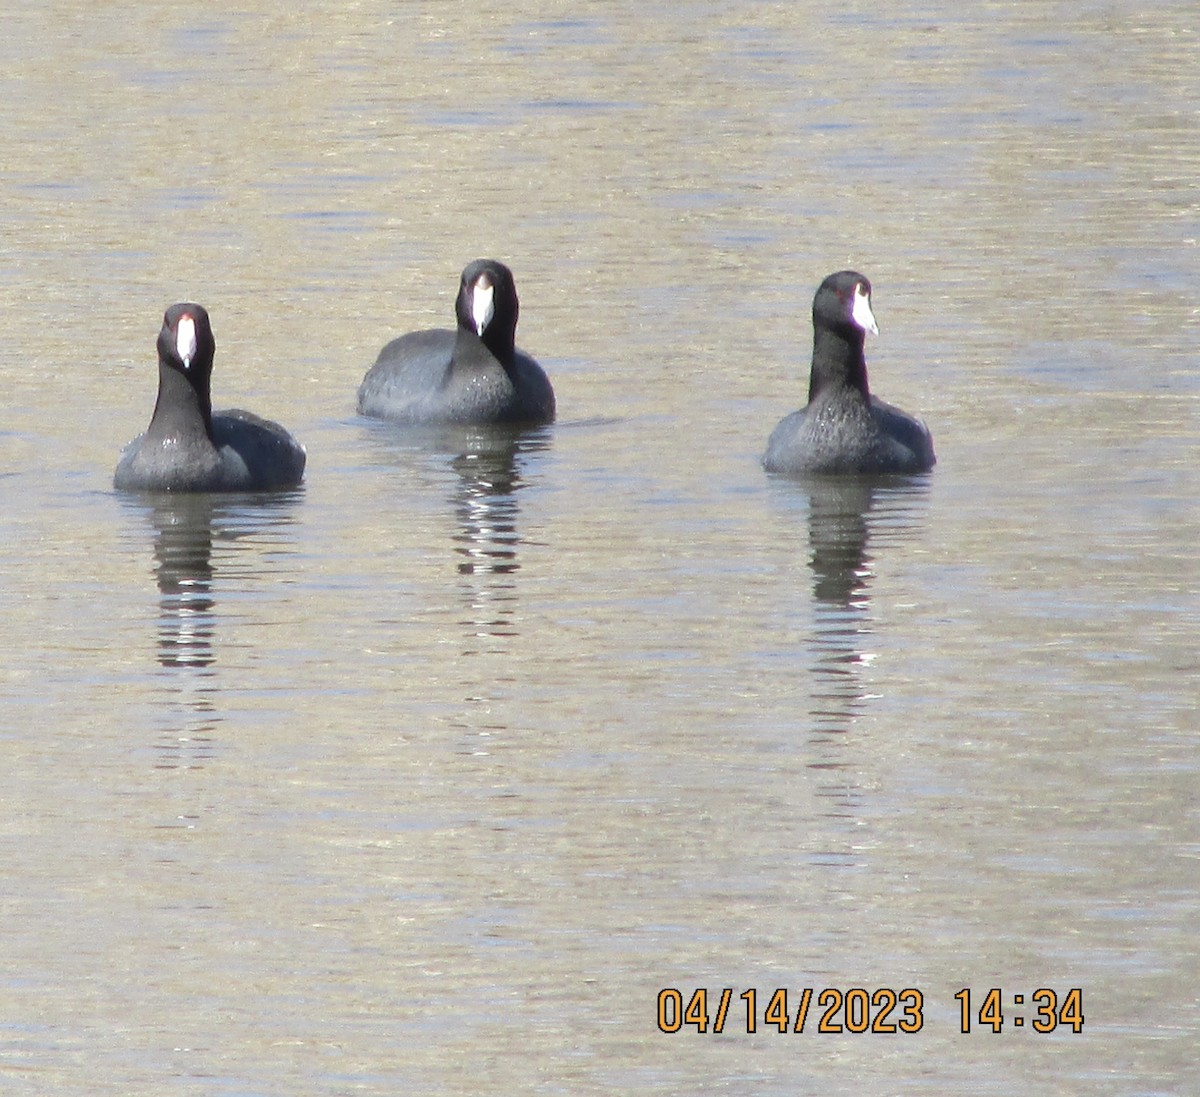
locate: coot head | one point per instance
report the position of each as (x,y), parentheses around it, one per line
(842,316)
(186,340)
(843,304)
(487,305)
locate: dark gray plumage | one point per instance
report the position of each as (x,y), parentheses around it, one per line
(187,447)
(474,374)
(843,428)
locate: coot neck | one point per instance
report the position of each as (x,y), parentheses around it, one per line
(501,345)
(182,411)
(838,362)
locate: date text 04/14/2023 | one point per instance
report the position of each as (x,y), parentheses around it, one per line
(858,1010)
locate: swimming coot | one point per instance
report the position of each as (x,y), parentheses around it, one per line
(187,447)
(844,429)
(474,374)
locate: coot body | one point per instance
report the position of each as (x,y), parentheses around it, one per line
(843,428)
(472,375)
(189,448)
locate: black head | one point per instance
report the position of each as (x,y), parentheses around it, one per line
(186,342)
(841,319)
(843,305)
(185,358)
(487,305)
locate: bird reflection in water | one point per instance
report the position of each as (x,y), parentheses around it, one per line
(185,529)
(486,538)
(838,533)
(183,536)
(183,568)
(846,517)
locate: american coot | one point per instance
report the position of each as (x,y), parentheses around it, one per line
(187,447)
(844,429)
(472,375)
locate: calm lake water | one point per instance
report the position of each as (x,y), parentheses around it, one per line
(430,776)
